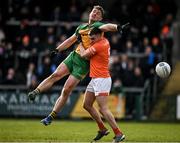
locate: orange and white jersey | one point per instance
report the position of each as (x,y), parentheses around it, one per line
(99,62)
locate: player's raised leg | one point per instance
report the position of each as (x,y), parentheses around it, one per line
(70,84)
(61,71)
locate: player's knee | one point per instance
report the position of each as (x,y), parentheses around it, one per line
(103,111)
(86,106)
(54,76)
(100,111)
(67,91)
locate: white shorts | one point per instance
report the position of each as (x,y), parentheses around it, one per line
(99,86)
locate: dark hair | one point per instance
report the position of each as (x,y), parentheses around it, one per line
(95,31)
(100,8)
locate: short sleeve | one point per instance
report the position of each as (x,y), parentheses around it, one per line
(77,30)
(82,26)
(96,46)
(98,24)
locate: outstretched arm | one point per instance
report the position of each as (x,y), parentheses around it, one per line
(114,27)
(108,27)
(67,43)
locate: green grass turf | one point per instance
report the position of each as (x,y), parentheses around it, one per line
(83,131)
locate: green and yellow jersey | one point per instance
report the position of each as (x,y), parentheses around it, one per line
(83,30)
(78,66)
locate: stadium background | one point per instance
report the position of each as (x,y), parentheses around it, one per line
(30,29)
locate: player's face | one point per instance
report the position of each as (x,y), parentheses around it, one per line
(95,15)
(94,38)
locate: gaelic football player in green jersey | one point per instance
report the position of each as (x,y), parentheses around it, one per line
(74,65)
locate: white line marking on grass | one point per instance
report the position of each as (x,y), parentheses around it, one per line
(87,142)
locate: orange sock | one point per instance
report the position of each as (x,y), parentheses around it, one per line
(101,126)
(117,131)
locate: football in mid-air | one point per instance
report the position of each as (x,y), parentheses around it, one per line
(163,69)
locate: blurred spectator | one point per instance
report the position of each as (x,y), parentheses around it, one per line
(24,13)
(117,87)
(45,69)
(115,67)
(156,47)
(145,44)
(37,15)
(123,65)
(1,77)
(31,78)
(85,15)
(2,48)
(56,15)
(2,36)
(73,14)
(37,44)
(8,57)
(10,77)
(148,62)
(151,18)
(167,37)
(24,54)
(50,39)
(127,76)
(34,57)
(115,43)
(129,47)
(138,77)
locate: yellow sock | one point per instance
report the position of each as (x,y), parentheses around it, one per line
(53,114)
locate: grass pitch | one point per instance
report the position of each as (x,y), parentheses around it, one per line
(14,130)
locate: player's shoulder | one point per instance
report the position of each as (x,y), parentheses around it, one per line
(100,43)
(104,40)
(97,24)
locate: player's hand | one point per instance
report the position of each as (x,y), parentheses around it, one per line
(53,53)
(122,28)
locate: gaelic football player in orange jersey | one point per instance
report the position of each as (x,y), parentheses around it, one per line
(74,65)
(99,87)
